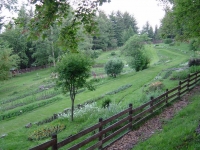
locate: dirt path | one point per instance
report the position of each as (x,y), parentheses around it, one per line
(128,141)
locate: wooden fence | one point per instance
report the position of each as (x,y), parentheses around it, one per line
(20,71)
(105,132)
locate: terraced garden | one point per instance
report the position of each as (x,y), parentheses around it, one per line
(31,100)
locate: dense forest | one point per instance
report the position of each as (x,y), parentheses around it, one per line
(40,36)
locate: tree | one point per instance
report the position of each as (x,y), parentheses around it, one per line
(126,34)
(101,41)
(147,29)
(156,33)
(120,22)
(134,49)
(7,60)
(186,14)
(114,67)
(53,12)
(73,70)
(193,46)
(168,27)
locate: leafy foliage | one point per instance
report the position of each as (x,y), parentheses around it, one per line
(194,62)
(73,70)
(114,67)
(106,103)
(7,60)
(134,48)
(168,41)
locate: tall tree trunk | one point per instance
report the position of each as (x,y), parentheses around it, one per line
(52,48)
(72,111)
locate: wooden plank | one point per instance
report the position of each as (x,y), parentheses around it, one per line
(159,97)
(141,107)
(115,116)
(142,113)
(159,103)
(155,106)
(86,141)
(115,124)
(184,86)
(45,145)
(183,91)
(194,74)
(174,89)
(110,143)
(116,132)
(95,146)
(175,94)
(192,79)
(184,81)
(76,136)
(191,84)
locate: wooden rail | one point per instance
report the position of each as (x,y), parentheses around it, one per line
(116,126)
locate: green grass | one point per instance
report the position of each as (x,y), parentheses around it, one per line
(178,133)
(25,83)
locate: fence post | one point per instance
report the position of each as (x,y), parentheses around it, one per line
(196,77)
(54,147)
(100,129)
(188,83)
(166,96)
(151,103)
(130,114)
(179,89)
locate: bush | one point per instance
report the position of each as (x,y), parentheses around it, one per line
(106,103)
(168,41)
(147,96)
(112,53)
(114,67)
(156,86)
(194,62)
(140,61)
(194,69)
(181,75)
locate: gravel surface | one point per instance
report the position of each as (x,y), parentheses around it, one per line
(128,141)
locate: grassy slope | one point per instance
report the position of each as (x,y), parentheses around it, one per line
(131,95)
(178,133)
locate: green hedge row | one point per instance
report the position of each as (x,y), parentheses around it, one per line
(29,108)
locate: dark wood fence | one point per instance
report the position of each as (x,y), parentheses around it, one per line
(20,71)
(105,132)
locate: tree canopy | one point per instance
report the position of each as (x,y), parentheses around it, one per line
(73,69)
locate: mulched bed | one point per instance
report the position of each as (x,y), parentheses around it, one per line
(128,141)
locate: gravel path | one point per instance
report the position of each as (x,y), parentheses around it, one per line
(128,141)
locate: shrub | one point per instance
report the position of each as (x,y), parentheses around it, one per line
(114,67)
(156,86)
(194,69)
(168,41)
(140,61)
(106,103)
(112,53)
(194,62)
(181,75)
(147,96)
(46,132)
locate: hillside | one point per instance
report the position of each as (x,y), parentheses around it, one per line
(31,98)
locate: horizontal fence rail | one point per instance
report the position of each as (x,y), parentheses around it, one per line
(107,131)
